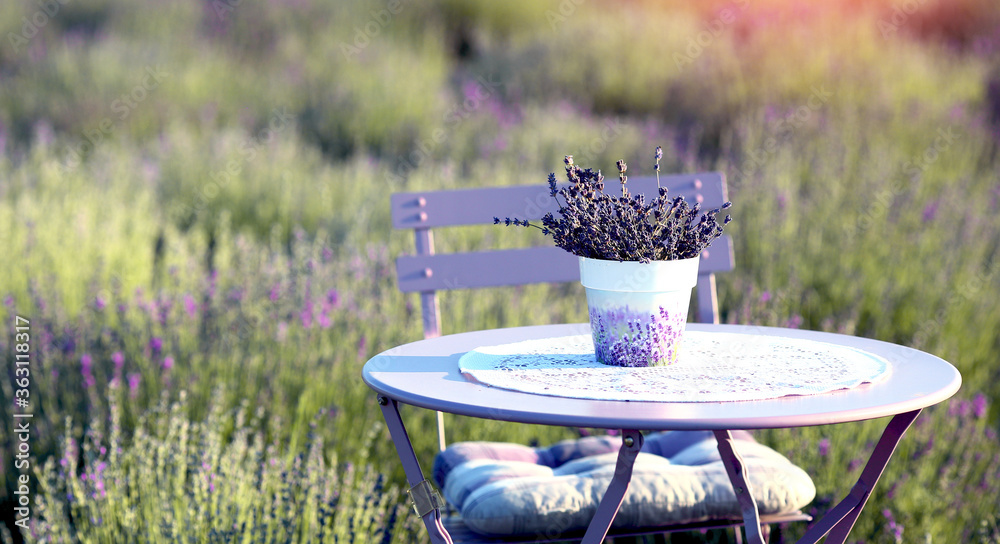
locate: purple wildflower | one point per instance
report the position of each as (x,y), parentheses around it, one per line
(155,345)
(99,303)
(8,301)
(930,212)
(895,528)
(333,298)
(765,297)
(86,370)
(163,309)
(306,316)
(362,347)
(824,447)
(794,322)
(133,384)
(979,405)
(68,343)
(168,362)
(327,254)
(190,306)
(275,292)
(118,359)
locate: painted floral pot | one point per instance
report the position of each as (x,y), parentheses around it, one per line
(638,310)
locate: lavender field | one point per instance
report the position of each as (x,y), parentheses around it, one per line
(195,236)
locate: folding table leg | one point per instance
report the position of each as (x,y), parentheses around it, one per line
(839,521)
(741,485)
(431,515)
(612,500)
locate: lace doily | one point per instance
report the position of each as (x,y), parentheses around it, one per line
(711,367)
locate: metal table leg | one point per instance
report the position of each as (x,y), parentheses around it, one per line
(741,485)
(839,521)
(430,514)
(600,524)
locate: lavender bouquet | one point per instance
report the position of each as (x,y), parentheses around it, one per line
(639,260)
(597,225)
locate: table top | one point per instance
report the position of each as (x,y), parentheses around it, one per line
(426,374)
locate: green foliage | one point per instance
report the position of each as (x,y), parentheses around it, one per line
(214,480)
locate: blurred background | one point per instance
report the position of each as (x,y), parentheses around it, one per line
(194,218)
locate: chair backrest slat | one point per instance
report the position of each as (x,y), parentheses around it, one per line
(547,264)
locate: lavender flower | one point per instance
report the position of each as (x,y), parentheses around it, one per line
(979,405)
(594,224)
(190,306)
(118,359)
(155,345)
(306,315)
(656,166)
(133,384)
(895,528)
(86,370)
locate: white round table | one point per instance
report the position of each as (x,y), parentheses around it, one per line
(426,374)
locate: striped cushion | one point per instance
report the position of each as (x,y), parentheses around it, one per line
(508,490)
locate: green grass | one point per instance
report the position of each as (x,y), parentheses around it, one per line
(863,171)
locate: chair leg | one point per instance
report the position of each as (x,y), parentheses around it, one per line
(741,485)
(414,475)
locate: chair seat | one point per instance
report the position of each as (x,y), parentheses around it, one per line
(515,492)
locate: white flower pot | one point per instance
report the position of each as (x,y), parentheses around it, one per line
(638,310)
